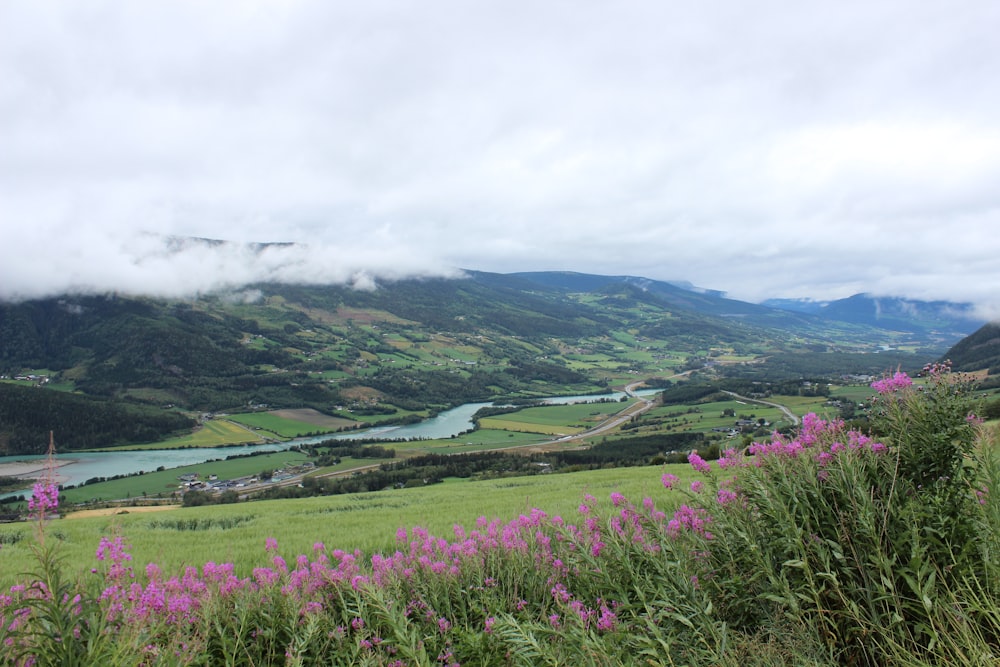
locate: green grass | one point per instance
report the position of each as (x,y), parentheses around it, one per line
(856,393)
(280,426)
(479,440)
(529,427)
(166,481)
(363,521)
(212,433)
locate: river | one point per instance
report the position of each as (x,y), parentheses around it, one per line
(87,465)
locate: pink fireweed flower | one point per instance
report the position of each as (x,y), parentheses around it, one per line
(617,499)
(44,499)
(699,463)
(726,496)
(270,544)
(669,480)
(729,458)
(693,519)
(607,619)
(697,486)
(889,385)
(936,369)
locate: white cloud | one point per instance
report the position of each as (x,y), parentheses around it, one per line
(772,149)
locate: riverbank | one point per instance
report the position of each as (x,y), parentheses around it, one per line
(29,470)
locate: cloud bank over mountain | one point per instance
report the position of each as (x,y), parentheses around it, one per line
(769,150)
(154,265)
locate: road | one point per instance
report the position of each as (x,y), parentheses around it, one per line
(640,406)
(794,418)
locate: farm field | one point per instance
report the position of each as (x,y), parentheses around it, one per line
(530,426)
(479,440)
(706,416)
(291,423)
(236,533)
(211,433)
(152,484)
(554,420)
(536,425)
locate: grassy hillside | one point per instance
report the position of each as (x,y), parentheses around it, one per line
(406,349)
(236,533)
(827,546)
(979,351)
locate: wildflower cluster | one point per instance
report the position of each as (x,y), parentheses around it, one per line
(818,523)
(525,571)
(44,500)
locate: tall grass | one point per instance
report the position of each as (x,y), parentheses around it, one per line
(833,547)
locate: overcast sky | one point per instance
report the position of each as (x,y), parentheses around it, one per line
(788,148)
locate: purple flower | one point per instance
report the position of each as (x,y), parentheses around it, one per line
(726,496)
(888,385)
(698,463)
(44,498)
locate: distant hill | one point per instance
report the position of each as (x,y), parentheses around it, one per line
(934,323)
(979,351)
(941,319)
(412,347)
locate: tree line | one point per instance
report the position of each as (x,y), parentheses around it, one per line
(28,414)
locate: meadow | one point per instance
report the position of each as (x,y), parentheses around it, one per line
(829,546)
(552,420)
(285,425)
(532,426)
(210,433)
(368,521)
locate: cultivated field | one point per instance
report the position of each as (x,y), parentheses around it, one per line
(291,423)
(211,433)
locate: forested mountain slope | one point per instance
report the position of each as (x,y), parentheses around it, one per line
(410,347)
(980,350)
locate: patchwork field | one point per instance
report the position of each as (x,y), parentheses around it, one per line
(291,423)
(211,433)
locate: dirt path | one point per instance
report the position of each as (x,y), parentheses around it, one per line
(111,511)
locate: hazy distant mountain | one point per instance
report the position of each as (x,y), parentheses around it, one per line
(932,322)
(924,317)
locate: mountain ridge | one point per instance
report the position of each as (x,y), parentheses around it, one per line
(414,346)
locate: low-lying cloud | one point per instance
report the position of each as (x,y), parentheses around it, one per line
(154,265)
(769,149)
